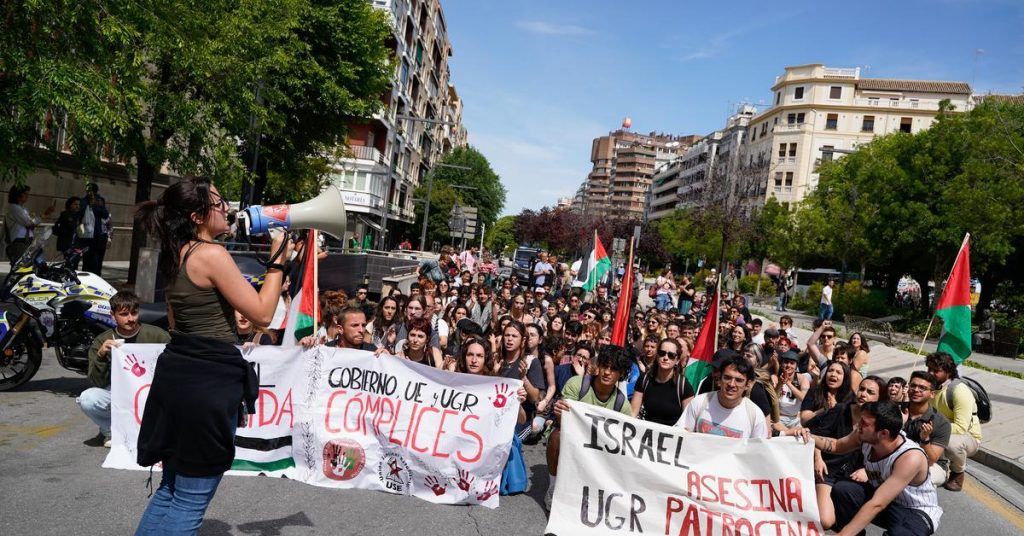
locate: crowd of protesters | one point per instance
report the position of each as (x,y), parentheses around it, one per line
(555,338)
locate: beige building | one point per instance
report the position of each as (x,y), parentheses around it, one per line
(818,109)
(421,121)
(623,165)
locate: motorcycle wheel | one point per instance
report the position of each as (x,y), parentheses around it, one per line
(22,363)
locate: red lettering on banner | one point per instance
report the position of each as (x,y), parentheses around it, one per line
(379,420)
(416,430)
(286,409)
(135,402)
(266,396)
(440,432)
(327,412)
(709,488)
(350,424)
(672,506)
(691,524)
(479,440)
(739,487)
(794,494)
(409,427)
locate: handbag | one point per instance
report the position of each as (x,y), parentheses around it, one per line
(514,478)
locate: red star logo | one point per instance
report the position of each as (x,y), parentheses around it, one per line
(394,467)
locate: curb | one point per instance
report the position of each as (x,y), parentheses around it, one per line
(1000,463)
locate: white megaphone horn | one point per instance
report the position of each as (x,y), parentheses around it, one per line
(325,212)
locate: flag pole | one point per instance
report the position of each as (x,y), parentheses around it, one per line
(920,348)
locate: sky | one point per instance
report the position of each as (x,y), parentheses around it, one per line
(540,79)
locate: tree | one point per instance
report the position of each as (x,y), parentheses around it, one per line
(501,236)
(485,191)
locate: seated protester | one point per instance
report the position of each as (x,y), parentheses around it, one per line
(845,353)
(95,401)
(580,358)
(417,308)
(762,390)
(926,426)
(464,329)
(662,393)
(351,332)
(791,387)
(599,388)
(514,363)
(383,329)
(899,495)
(833,390)
(827,335)
(756,333)
(897,388)
(249,335)
(836,423)
(437,321)
(955,401)
(726,412)
(536,350)
(416,346)
(786,324)
(330,329)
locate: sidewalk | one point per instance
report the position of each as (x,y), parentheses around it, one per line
(1002,448)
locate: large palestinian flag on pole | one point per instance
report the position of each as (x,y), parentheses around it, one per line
(303,314)
(954,307)
(593,268)
(699,366)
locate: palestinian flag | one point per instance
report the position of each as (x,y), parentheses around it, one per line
(304,311)
(624,311)
(699,366)
(593,268)
(954,307)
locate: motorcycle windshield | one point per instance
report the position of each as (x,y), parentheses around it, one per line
(35,248)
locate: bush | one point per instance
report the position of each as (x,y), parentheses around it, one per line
(748,284)
(856,300)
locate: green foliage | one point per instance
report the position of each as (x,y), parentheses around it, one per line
(442,200)
(748,284)
(499,238)
(856,300)
(486,193)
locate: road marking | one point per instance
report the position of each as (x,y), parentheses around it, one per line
(994,503)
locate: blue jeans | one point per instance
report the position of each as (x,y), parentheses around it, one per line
(782,302)
(179,504)
(663,302)
(825,311)
(95,403)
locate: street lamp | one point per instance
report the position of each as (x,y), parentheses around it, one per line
(426,207)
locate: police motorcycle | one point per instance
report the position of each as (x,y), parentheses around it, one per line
(59,307)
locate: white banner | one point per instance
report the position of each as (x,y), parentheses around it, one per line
(347,419)
(622,475)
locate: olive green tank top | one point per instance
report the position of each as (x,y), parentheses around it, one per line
(200,311)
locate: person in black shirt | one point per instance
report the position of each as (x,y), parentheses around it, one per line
(662,393)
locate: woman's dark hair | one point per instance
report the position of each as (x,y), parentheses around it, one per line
(71,200)
(170,219)
(616,358)
(460,362)
(863,341)
(15,192)
(518,326)
(819,393)
(419,324)
(380,325)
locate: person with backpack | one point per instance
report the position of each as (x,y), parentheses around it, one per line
(598,388)
(727,412)
(956,401)
(662,393)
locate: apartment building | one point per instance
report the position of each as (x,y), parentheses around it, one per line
(818,110)
(421,121)
(623,165)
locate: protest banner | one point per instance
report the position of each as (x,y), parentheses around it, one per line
(622,475)
(347,419)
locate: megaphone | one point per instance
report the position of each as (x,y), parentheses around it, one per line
(325,212)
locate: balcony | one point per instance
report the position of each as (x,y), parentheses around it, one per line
(900,104)
(835,72)
(791,127)
(361,152)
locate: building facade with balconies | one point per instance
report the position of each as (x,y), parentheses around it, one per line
(390,155)
(818,109)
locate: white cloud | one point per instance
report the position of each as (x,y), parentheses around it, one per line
(547,28)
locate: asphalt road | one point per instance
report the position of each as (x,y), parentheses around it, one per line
(50,483)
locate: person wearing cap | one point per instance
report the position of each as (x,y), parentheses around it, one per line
(791,387)
(540,296)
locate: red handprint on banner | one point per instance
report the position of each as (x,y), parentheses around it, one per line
(465,480)
(489,490)
(501,395)
(435,486)
(132,364)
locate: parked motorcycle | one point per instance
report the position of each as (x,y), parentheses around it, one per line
(59,307)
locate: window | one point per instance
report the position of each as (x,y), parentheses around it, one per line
(778,98)
(826,153)
(832,122)
(835,92)
(894,102)
(869,124)
(789,179)
(800,117)
(914,103)
(798,93)
(764,128)
(782,150)
(791,119)
(872,101)
(905,124)
(792,150)
(778,178)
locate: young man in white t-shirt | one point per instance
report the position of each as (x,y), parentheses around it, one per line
(726,412)
(825,309)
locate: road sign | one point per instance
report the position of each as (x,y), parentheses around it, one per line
(468,230)
(619,245)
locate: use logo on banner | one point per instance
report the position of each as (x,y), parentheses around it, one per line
(620,475)
(344,418)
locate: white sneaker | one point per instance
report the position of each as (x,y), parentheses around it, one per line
(106,442)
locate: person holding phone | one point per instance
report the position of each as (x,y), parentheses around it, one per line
(926,426)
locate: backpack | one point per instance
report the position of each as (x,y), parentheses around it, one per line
(620,397)
(982,404)
(514,477)
(652,291)
(765,379)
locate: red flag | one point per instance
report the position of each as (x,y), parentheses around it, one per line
(624,310)
(699,365)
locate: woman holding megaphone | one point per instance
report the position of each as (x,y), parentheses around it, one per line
(202,388)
